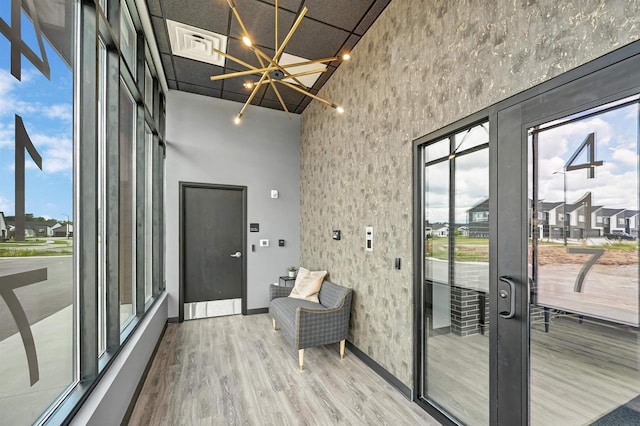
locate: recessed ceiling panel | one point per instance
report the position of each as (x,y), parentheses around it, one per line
(307,80)
(195,43)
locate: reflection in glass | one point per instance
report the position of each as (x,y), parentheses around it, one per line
(128,39)
(583,256)
(127,227)
(456,283)
(37,322)
(102,197)
(148,216)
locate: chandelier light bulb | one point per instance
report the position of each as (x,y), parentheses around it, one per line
(246,40)
(237,120)
(346,57)
(248,85)
(340,110)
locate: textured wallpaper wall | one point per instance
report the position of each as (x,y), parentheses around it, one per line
(423,65)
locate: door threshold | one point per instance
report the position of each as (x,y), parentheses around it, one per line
(212,308)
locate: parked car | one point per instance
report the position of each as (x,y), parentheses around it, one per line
(619,235)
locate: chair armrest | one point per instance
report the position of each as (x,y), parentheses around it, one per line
(276,291)
(321,327)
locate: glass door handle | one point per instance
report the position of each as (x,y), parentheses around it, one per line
(508,293)
(237,255)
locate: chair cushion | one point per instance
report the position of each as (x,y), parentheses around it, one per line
(284,310)
(308,285)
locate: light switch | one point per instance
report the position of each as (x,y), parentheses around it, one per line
(368,238)
(274,193)
(264,243)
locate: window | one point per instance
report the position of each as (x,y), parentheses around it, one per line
(598,219)
(148,88)
(581,218)
(128,38)
(148,215)
(102,195)
(37,242)
(127,231)
(620,221)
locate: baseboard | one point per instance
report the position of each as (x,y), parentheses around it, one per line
(143,378)
(381,371)
(173,320)
(257,311)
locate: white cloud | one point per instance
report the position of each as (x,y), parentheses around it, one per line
(59,111)
(5,205)
(6,135)
(56,152)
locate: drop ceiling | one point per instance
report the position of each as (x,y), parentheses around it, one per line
(330,28)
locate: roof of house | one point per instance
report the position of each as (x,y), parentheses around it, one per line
(611,212)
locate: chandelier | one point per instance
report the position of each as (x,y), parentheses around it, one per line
(271,72)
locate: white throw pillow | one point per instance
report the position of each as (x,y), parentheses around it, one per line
(308,285)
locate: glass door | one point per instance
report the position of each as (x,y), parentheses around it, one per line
(455,288)
(566,257)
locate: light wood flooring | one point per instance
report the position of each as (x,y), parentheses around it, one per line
(237,370)
(579,372)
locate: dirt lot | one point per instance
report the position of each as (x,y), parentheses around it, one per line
(550,255)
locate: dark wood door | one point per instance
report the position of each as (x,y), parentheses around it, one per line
(213,243)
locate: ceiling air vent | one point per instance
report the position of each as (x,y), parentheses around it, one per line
(196,43)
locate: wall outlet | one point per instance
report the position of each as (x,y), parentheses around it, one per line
(264,243)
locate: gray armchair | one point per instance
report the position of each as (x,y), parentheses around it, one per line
(305,324)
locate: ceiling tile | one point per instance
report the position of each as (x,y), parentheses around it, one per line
(289,96)
(259,18)
(324,77)
(206,14)
(303,105)
(236,85)
(268,103)
(344,14)
(240,97)
(168,67)
(239,50)
(160,31)
(291,5)
(314,40)
(195,72)
(200,90)
(172,84)
(350,43)
(371,16)
(154,7)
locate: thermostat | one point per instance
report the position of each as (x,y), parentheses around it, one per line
(264,243)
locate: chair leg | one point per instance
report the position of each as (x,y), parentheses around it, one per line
(274,324)
(342,342)
(301,358)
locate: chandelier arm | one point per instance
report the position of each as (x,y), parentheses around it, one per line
(234,59)
(273,85)
(310,62)
(241,73)
(275,64)
(311,95)
(293,29)
(253,93)
(276,45)
(232,4)
(303,73)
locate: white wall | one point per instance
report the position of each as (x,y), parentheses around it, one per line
(263,153)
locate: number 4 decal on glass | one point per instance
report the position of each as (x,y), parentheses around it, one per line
(18,46)
(590,145)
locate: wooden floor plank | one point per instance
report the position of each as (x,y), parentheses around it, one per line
(237,371)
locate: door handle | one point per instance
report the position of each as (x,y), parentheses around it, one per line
(510,294)
(237,255)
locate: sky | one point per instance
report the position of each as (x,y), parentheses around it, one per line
(615,184)
(46,107)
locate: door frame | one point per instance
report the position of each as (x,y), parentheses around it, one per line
(181,189)
(516,400)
